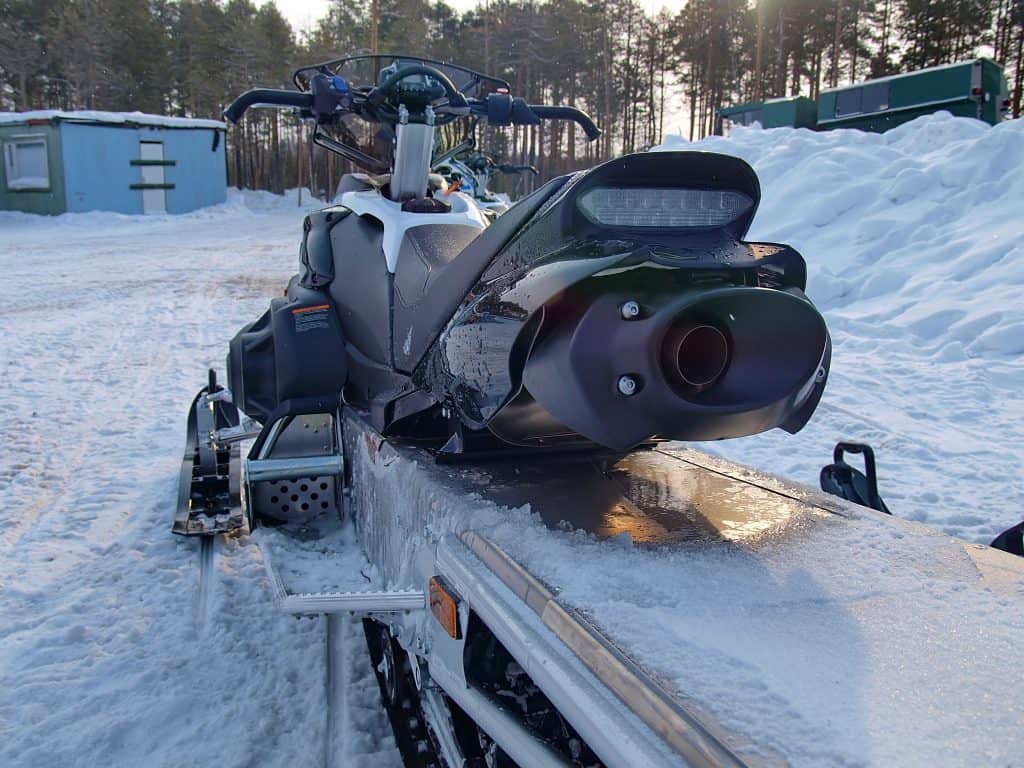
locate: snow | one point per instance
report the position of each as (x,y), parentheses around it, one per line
(915,255)
(111,653)
(825,639)
(97,116)
(853,642)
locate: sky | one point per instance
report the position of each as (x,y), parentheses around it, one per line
(303,14)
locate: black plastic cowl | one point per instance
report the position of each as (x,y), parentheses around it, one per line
(295,350)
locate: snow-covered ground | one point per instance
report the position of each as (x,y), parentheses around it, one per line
(914,241)
(111,652)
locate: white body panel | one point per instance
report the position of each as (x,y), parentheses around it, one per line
(465,212)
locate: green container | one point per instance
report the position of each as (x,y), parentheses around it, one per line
(967,89)
(792,112)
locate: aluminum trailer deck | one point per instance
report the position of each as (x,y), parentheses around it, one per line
(679,609)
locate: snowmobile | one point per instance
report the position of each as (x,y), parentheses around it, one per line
(471,172)
(438,392)
(427,362)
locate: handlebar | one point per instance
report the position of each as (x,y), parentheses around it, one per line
(275,97)
(499,108)
(582,119)
(509,168)
(379,93)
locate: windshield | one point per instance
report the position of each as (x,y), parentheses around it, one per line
(363,72)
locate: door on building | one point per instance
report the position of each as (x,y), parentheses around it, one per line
(154,199)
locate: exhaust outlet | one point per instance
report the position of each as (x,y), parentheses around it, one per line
(697,354)
(704,364)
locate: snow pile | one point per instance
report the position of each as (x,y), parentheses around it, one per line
(116,118)
(914,243)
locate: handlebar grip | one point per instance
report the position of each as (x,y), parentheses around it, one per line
(271,97)
(568,113)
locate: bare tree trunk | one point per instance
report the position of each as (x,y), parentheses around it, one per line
(833,75)
(298,163)
(780,71)
(374,24)
(759,54)
(1019,87)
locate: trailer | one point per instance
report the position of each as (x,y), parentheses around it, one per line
(975,88)
(792,112)
(659,608)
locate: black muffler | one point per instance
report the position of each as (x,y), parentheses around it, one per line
(705,364)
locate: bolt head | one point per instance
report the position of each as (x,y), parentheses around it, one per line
(630,310)
(627,385)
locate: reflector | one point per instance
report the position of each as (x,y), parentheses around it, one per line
(444,607)
(663,207)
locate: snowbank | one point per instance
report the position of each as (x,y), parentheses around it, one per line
(96,116)
(913,241)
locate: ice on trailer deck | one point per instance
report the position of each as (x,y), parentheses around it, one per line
(797,628)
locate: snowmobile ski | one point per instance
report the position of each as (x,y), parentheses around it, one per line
(208,492)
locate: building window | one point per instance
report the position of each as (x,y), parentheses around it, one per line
(751,117)
(27,163)
(873,97)
(848,102)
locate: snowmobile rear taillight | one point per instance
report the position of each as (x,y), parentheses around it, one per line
(669,207)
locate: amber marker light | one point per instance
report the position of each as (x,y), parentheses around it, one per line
(444,607)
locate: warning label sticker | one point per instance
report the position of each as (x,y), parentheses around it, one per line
(308,318)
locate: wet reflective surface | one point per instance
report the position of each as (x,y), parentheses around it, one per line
(656,498)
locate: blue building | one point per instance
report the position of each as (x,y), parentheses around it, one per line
(55,162)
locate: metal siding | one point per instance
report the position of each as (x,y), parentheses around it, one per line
(826,105)
(51,202)
(199,173)
(99,173)
(97,167)
(930,85)
(992,82)
(795,112)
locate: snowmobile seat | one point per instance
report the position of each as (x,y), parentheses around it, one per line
(434,274)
